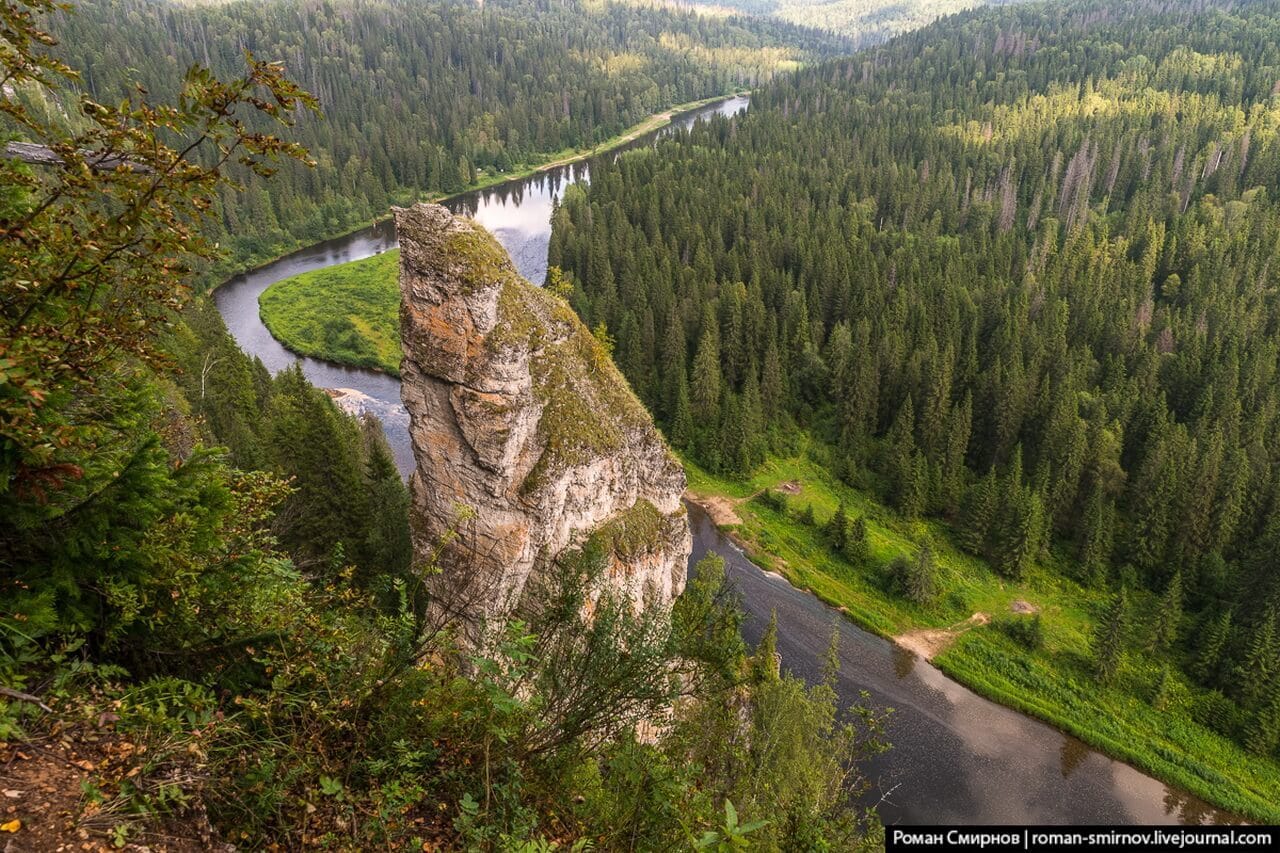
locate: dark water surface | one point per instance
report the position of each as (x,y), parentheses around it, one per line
(956,757)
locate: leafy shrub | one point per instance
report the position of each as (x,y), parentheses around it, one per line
(773,499)
(1219,713)
(1027,631)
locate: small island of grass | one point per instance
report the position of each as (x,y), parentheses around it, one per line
(346,313)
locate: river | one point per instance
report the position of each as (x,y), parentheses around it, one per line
(956,757)
(518,213)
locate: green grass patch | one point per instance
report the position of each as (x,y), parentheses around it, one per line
(347,313)
(1054,683)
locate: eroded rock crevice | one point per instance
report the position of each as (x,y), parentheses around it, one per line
(518,414)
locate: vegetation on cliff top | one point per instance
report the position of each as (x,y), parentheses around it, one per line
(588,409)
(1015,271)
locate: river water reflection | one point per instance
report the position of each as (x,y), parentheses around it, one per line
(518,213)
(956,757)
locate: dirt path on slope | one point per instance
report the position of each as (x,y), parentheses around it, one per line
(724,510)
(930,642)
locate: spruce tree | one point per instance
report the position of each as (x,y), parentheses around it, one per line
(1213,642)
(1095,540)
(837,528)
(959,425)
(1261,663)
(735,454)
(680,426)
(387,549)
(1109,638)
(673,367)
(1164,689)
(772,387)
(902,461)
(857,547)
(1168,621)
(1264,731)
(753,442)
(980,508)
(922,577)
(1018,539)
(706,383)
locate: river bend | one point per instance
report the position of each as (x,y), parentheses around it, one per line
(956,757)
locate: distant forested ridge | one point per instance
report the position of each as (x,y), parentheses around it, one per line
(422,97)
(212,622)
(1019,271)
(865,21)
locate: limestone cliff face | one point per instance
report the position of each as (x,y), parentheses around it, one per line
(517,414)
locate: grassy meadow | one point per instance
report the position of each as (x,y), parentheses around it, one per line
(1054,683)
(347,313)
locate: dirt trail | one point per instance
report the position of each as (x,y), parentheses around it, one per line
(930,642)
(724,510)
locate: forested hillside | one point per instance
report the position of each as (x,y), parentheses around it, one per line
(1017,272)
(867,22)
(424,97)
(213,629)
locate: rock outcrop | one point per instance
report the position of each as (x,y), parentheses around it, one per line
(529,444)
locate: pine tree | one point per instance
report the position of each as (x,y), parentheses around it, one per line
(837,528)
(857,547)
(1168,621)
(1109,638)
(1213,642)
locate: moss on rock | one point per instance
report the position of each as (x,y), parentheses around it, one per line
(480,260)
(631,532)
(588,409)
